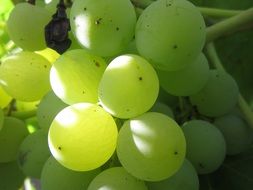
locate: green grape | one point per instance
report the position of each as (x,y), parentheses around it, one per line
(186,81)
(25,76)
(56,177)
(51,6)
(26,106)
(206,147)
(116,178)
(82,137)
(129,86)
(11,177)
(33,153)
(219,95)
(235,131)
(1,118)
(26,24)
(5,99)
(103,27)
(75,76)
(74,42)
(170,34)
(32,124)
(131,48)
(12,134)
(161,107)
(151,147)
(50,54)
(48,108)
(186,178)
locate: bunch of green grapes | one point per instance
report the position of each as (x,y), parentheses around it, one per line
(131,105)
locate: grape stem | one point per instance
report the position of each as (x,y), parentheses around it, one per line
(230,25)
(218,13)
(243,105)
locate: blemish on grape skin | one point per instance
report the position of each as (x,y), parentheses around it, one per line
(127,110)
(140,78)
(74,18)
(117,28)
(85,9)
(59,148)
(22,157)
(83,92)
(175,153)
(45,66)
(97,22)
(96,63)
(175,46)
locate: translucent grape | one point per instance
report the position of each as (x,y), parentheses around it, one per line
(48,108)
(25,76)
(186,178)
(129,86)
(103,27)
(206,147)
(56,177)
(82,137)
(26,106)
(170,34)
(50,54)
(12,134)
(75,76)
(235,131)
(26,24)
(32,124)
(11,177)
(5,99)
(219,95)
(186,81)
(33,153)
(151,147)
(116,178)
(161,107)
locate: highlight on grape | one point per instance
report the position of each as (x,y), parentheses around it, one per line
(117,95)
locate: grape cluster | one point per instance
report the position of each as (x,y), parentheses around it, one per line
(133,104)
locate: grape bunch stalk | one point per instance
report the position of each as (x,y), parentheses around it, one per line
(118,95)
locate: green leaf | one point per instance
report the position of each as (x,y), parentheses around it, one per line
(235,173)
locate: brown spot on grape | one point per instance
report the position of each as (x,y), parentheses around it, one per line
(85,9)
(45,66)
(83,92)
(140,78)
(97,22)
(117,28)
(23,157)
(97,64)
(175,153)
(59,148)
(175,46)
